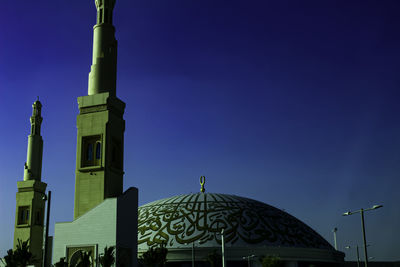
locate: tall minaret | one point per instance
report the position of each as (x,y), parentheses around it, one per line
(102,77)
(31,191)
(100,123)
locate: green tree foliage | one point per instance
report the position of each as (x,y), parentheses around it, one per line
(154,257)
(85,260)
(271,261)
(215,259)
(108,258)
(61,263)
(9,259)
(21,256)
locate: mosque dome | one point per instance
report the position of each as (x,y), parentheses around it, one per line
(250,227)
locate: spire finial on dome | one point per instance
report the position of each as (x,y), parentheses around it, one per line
(202,182)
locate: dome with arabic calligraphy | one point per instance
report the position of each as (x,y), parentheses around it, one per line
(199,218)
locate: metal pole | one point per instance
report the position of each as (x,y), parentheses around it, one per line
(223,248)
(334,237)
(358,258)
(248,261)
(193,254)
(364,239)
(47,230)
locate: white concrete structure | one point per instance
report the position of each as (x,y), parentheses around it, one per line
(111,223)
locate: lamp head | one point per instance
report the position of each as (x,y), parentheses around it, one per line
(347,213)
(377,206)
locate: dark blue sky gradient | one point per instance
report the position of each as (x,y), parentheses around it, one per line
(293,103)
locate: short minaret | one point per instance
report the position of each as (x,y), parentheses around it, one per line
(100,123)
(31,191)
(33,164)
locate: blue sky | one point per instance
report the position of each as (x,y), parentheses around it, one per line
(293,103)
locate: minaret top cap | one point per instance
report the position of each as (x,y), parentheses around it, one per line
(104,3)
(36,108)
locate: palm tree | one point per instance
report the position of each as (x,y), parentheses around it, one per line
(9,259)
(162,252)
(61,263)
(214,259)
(154,257)
(149,258)
(271,261)
(21,256)
(85,260)
(108,258)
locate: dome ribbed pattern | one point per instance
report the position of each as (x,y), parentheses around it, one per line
(180,220)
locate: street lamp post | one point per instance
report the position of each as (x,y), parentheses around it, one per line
(46,243)
(248,259)
(193,254)
(364,239)
(358,255)
(223,247)
(361,211)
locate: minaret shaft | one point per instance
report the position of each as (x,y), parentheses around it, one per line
(33,164)
(103,72)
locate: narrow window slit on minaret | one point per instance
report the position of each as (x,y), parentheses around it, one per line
(114,156)
(106,15)
(101,15)
(38,219)
(89,154)
(98,150)
(23,217)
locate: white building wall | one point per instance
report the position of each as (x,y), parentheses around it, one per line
(96,227)
(111,223)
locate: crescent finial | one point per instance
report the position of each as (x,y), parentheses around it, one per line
(202,182)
